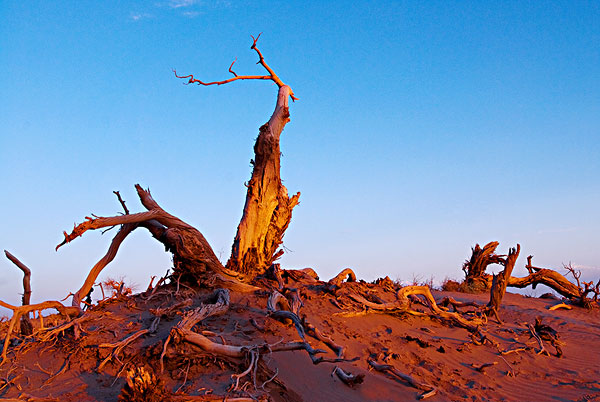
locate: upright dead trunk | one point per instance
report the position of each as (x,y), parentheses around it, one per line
(268,208)
(26,327)
(501,280)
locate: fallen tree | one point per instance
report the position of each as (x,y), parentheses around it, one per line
(579,293)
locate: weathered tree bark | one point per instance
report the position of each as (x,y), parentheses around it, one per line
(193,259)
(576,292)
(549,278)
(268,208)
(501,280)
(26,327)
(475,267)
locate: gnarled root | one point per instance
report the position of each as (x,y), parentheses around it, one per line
(428,390)
(348,378)
(119,346)
(183,332)
(21,310)
(347,274)
(402,305)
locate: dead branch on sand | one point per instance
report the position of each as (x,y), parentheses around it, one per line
(357,291)
(428,390)
(20,311)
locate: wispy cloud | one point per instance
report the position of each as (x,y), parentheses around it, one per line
(182,3)
(140,16)
(191,14)
(585,267)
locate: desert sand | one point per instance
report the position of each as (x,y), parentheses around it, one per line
(81,362)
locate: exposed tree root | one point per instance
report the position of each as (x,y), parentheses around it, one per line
(402,306)
(449,301)
(348,378)
(560,306)
(20,311)
(549,334)
(302,325)
(119,346)
(47,334)
(347,274)
(428,390)
(481,367)
(534,334)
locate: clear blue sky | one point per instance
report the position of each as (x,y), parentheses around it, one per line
(422,128)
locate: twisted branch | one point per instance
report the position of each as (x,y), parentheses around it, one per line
(261,60)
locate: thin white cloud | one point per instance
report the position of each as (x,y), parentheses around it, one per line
(191,14)
(182,3)
(585,267)
(140,16)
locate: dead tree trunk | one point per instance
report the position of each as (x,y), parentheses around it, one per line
(26,327)
(500,281)
(475,267)
(268,208)
(193,258)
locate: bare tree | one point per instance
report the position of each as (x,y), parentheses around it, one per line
(268,208)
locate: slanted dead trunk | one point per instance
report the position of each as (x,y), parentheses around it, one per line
(268,209)
(193,258)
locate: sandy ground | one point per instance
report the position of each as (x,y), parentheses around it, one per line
(67,369)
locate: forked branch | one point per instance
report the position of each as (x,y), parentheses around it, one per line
(261,60)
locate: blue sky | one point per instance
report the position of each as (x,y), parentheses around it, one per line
(422,128)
